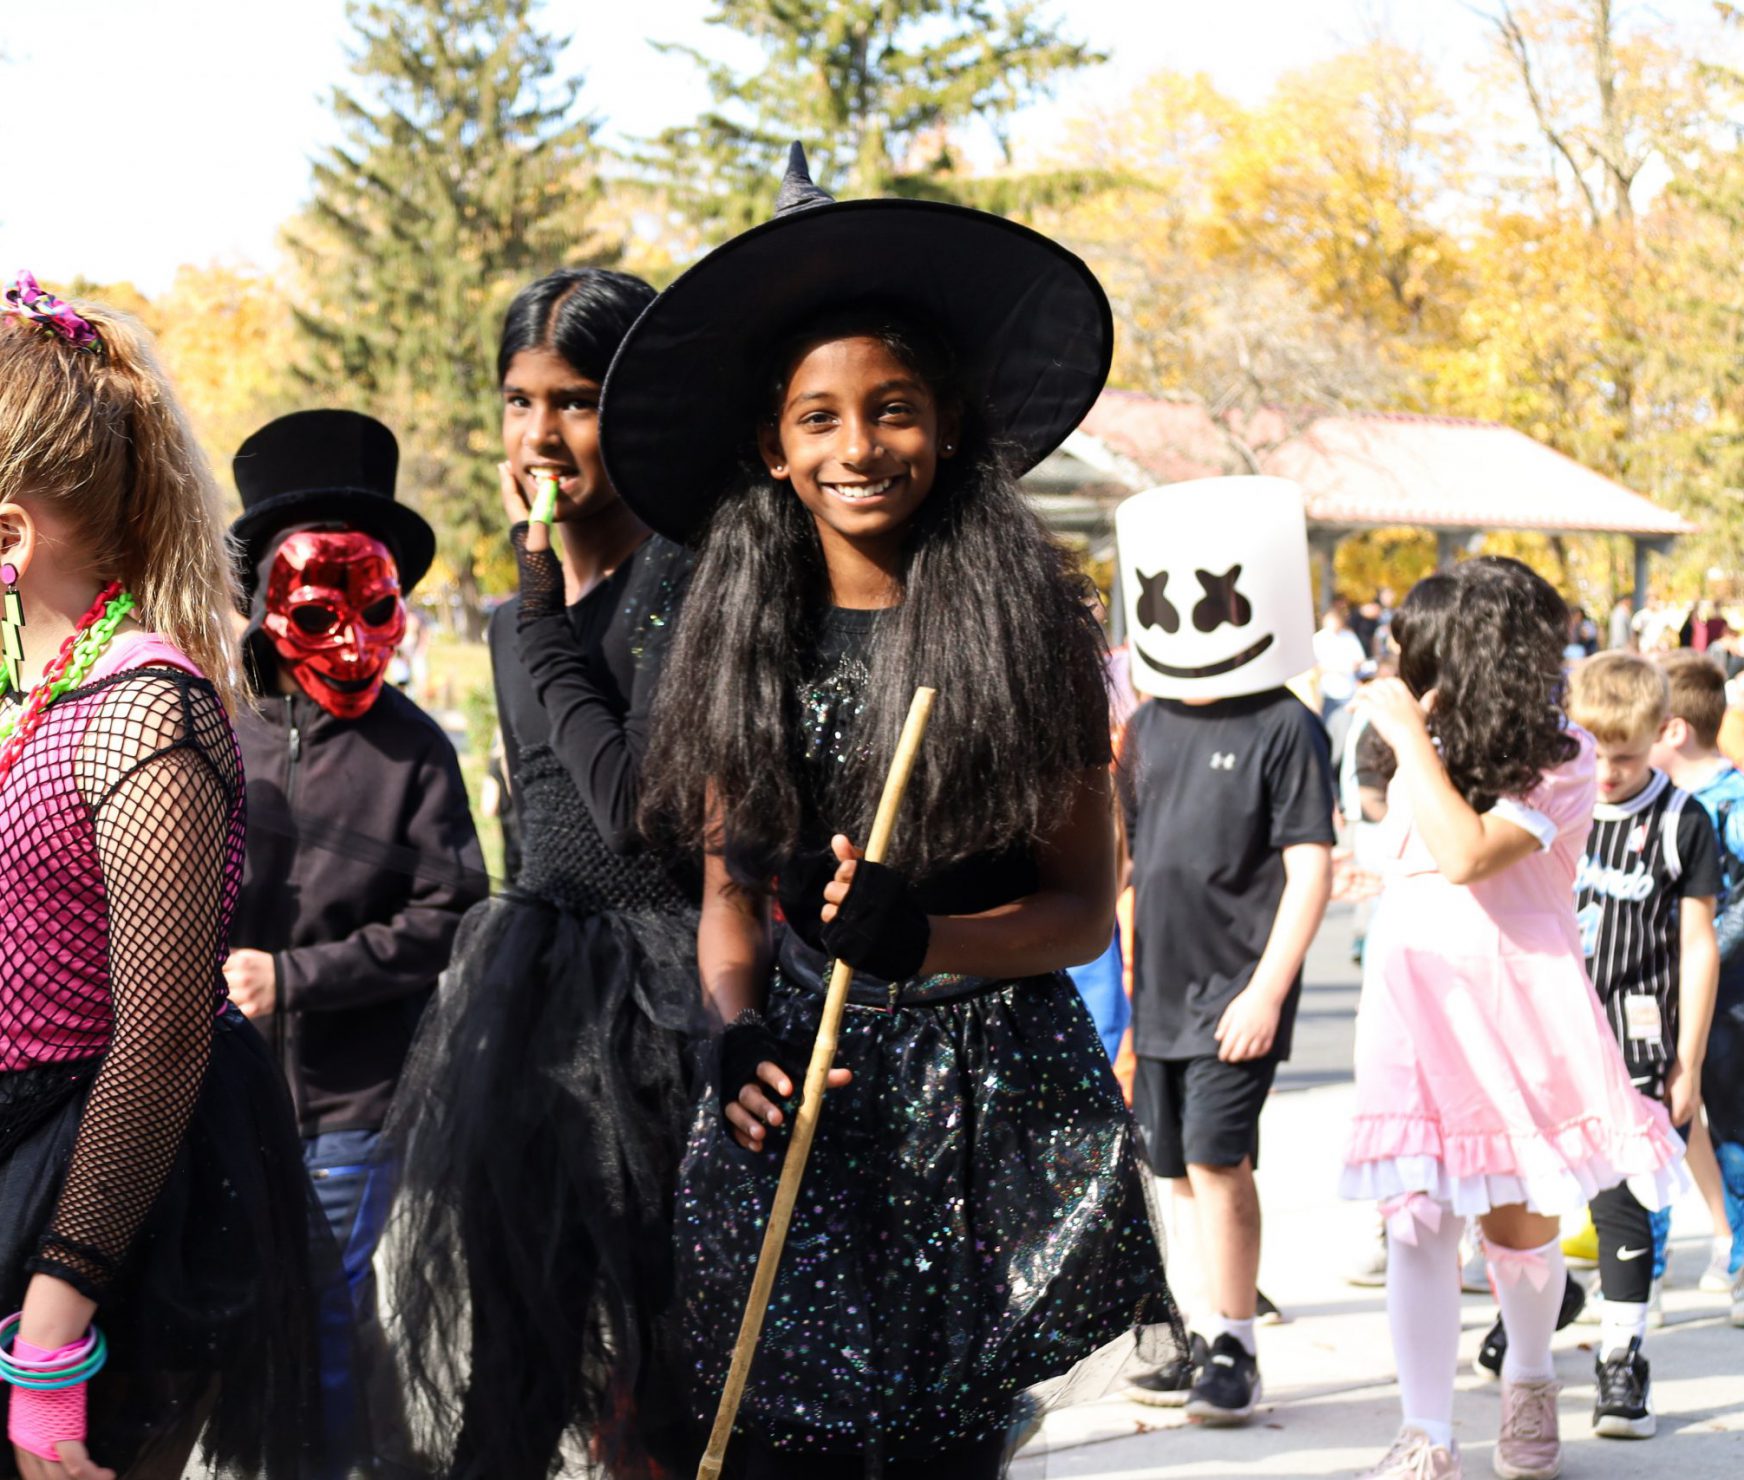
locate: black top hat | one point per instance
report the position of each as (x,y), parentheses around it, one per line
(1026,319)
(312,467)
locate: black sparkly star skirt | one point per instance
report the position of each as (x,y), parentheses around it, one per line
(214,1318)
(974,1222)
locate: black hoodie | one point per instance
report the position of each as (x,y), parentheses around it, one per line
(362,858)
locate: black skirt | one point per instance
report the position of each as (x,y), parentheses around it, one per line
(214,1309)
(973,1223)
(540,1122)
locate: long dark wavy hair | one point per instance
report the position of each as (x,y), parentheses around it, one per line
(994,615)
(1487,637)
(580,313)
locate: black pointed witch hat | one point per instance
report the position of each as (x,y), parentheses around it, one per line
(1027,320)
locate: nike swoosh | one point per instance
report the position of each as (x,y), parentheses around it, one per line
(1627,1254)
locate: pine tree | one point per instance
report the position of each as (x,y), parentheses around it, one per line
(464,171)
(873,89)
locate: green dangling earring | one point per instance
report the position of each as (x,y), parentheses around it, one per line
(12,628)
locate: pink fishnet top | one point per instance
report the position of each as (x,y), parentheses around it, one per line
(121,848)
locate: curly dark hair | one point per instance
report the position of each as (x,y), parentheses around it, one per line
(994,614)
(1487,637)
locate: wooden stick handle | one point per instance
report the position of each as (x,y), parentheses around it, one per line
(823,1056)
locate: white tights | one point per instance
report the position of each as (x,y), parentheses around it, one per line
(1423,1312)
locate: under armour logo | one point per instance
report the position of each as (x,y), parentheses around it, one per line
(1223,760)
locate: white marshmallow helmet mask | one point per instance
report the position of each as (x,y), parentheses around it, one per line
(1214,574)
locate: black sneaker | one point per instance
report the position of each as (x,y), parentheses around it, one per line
(1227,1386)
(1495,1343)
(1266,1312)
(1624,1406)
(1169,1385)
(1491,1351)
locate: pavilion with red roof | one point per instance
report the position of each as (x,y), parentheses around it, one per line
(1359,470)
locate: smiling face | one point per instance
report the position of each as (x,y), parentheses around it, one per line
(858,435)
(551,422)
(1216,581)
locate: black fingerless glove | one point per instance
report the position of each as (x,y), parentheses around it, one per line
(748,1042)
(880,928)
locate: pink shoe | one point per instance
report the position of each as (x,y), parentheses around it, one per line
(1413,1457)
(1529,1447)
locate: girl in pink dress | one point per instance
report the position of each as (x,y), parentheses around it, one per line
(1488,1083)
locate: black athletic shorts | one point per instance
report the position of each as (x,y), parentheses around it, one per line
(1201,1110)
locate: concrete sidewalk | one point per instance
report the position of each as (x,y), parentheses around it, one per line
(1331,1405)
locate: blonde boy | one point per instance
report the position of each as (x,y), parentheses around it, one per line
(1644,897)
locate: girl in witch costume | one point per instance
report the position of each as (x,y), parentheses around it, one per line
(542,1113)
(974,1219)
(155,1218)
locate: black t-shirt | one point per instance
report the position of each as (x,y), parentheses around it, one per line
(1213,794)
(1642,857)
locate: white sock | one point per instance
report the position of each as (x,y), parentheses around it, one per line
(1619,1322)
(1440,1433)
(1529,1316)
(1423,1313)
(1242,1331)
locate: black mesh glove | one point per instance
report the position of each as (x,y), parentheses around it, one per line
(742,1047)
(880,928)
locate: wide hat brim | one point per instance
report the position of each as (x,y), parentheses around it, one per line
(1028,321)
(404,531)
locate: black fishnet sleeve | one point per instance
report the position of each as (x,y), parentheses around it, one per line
(541,575)
(159,772)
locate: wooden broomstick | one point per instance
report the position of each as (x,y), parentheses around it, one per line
(823,1056)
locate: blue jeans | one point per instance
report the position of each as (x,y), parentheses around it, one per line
(354,1188)
(1731,1158)
(354,1191)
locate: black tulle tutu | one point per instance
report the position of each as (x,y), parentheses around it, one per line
(540,1122)
(215,1304)
(973,1223)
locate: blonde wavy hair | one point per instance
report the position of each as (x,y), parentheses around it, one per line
(101,440)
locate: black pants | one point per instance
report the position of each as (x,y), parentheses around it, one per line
(1625,1230)
(981,1461)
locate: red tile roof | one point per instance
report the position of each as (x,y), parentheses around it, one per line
(1386,468)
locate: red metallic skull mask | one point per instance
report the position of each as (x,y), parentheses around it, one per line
(334,614)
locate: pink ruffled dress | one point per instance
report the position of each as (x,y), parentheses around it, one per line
(1486,1073)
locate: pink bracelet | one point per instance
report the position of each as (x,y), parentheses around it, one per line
(38,1421)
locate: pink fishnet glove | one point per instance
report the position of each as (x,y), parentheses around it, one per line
(38,1421)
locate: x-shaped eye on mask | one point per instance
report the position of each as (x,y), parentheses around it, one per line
(1154,608)
(1221,602)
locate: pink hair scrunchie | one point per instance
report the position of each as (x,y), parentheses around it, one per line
(37,1421)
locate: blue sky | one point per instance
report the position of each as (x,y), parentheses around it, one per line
(148,133)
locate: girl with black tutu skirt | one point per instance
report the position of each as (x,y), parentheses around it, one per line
(838,404)
(542,1113)
(155,1218)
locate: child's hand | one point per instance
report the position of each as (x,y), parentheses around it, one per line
(847,855)
(513,495)
(1394,711)
(1683,1094)
(753,1113)
(1247,1028)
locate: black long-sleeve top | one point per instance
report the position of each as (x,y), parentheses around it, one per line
(575,692)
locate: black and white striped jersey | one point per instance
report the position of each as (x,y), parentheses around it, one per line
(1642,856)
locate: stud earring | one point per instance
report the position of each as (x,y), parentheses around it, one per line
(949,448)
(12,627)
